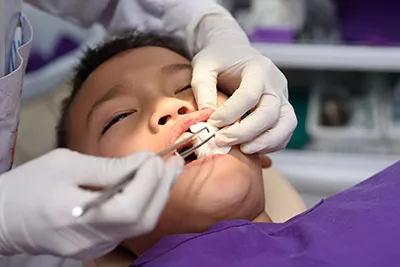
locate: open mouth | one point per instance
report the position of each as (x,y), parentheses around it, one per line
(197,148)
(182,130)
(192,156)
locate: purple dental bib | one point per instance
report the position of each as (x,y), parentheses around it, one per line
(358,227)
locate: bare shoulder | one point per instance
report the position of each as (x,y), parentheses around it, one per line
(282,201)
(116,258)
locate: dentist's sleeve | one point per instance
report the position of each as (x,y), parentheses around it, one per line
(116,15)
(38,261)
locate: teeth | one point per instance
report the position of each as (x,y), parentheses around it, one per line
(183,136)
(209,148)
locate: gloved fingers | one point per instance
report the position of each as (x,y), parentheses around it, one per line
(136,195)
(243,99)
(174,167)
(87,236)
(274,139)
(92,222)
(102,172)
(107,222)
(261,119)
(204,84)
(64,202)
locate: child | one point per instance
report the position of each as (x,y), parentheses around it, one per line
(133,93)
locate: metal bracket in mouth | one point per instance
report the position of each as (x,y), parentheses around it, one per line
(186,153)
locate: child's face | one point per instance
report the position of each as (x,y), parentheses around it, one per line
(141,100)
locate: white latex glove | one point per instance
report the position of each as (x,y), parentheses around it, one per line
(37,198)
(224,55)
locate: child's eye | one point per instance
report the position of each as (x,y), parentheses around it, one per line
(183,89)
(114,120)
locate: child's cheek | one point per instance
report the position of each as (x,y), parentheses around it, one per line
(221,98)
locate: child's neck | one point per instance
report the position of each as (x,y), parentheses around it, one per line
(141,244)
(262,217)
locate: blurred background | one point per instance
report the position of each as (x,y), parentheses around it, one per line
(342,61)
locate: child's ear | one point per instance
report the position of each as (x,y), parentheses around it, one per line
(265,161)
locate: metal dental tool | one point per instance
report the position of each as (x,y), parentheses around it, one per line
(110,191)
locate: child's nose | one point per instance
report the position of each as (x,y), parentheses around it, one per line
(169,110)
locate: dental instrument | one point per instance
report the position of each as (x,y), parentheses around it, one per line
(211,147)
(109,192)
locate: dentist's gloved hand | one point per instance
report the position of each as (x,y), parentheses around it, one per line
(37,198)
(224,55)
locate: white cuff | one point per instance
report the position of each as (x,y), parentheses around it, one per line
(80,12)
(180,14)
(212,24)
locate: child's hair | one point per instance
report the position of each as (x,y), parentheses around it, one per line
(94,57)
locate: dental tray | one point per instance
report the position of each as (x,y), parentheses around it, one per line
(344,107)
(366,114)
(391,102)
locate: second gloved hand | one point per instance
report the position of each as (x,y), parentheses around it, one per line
(37,198)
(224,56)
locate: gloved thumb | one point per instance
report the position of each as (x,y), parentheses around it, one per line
(204,83)
(101,172)
(174,167)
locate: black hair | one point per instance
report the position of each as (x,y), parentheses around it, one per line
(94,57)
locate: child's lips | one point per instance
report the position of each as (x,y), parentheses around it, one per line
(186,145)
(217,159)
(183,136)
(184,124)
(203,160)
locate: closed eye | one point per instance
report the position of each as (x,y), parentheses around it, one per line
(115,120)
(183,89)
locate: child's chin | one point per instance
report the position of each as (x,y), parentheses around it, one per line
(225,188)
(222,164)
(226,174)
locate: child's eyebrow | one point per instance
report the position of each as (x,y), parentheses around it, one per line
(111,93)
(174,68)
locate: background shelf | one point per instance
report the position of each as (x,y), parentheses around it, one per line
(332,57)
(320,174)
